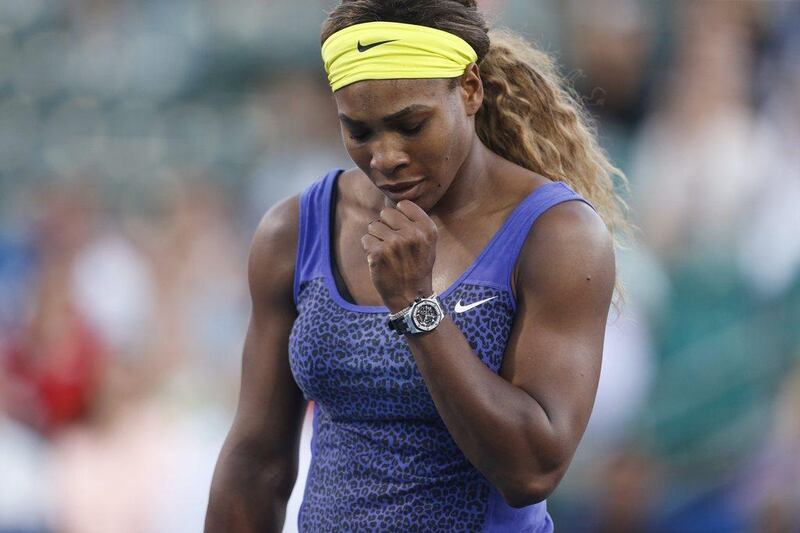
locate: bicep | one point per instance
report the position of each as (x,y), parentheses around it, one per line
(270,409)
(271,406)
(564,285)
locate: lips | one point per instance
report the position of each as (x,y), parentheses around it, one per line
(400,187)
(402,191)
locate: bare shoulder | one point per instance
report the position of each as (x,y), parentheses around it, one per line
(353,173)
(569,252)
(278,225)
(358,192)
(273,249)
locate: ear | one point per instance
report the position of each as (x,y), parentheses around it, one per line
(472,89)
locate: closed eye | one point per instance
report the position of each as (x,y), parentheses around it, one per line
(359,136)
(412,130)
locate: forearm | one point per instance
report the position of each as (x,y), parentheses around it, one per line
(248,495)
(519,428)
(501,429)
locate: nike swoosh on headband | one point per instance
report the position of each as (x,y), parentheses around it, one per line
(463,308)
(365,47)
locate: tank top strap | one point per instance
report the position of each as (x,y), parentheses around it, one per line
(311,258)
(497,263)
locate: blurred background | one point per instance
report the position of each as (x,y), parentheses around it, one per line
(141,141)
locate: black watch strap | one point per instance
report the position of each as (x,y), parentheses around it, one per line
(398,324)
(398,321)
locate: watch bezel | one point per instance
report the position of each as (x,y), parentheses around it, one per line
(426,302)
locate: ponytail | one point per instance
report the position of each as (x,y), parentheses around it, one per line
(530,118)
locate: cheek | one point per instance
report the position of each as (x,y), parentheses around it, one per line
(439,144)
(447,148)
(358,153)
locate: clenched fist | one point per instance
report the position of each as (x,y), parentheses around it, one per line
(401,248)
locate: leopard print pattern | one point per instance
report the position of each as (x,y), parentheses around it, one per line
(382,459)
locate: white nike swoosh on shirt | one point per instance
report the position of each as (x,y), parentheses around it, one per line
(463,308)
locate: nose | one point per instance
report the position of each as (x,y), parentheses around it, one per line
(388,156)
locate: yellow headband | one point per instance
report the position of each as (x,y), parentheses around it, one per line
(393,50)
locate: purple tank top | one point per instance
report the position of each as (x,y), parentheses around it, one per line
(381,457)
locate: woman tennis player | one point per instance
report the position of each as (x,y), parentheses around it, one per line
(443,303)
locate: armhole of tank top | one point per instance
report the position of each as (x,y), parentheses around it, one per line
(307,255)
(567,196)
(299,251)
(338,279)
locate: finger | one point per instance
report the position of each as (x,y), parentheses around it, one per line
(416,214)
(394,218)
(372,248)
(379,229)
(411,210)
(369,242)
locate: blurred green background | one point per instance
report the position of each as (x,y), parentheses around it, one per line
(142,140)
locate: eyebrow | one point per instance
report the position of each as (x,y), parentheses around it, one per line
(390,118)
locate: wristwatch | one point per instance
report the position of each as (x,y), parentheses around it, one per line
(423,315)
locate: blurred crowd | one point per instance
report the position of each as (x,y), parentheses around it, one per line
(140,143)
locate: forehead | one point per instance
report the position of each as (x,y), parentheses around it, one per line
(368,99)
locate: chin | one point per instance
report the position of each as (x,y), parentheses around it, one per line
(426,202)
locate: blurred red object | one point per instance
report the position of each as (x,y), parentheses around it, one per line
(52,370)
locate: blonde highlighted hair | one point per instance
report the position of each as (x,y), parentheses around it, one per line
(529,114)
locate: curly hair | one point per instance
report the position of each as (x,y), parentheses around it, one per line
(529,115)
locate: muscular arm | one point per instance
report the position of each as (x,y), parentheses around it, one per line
(257,466)
(521,428)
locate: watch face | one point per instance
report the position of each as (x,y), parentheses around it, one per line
(426,316)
